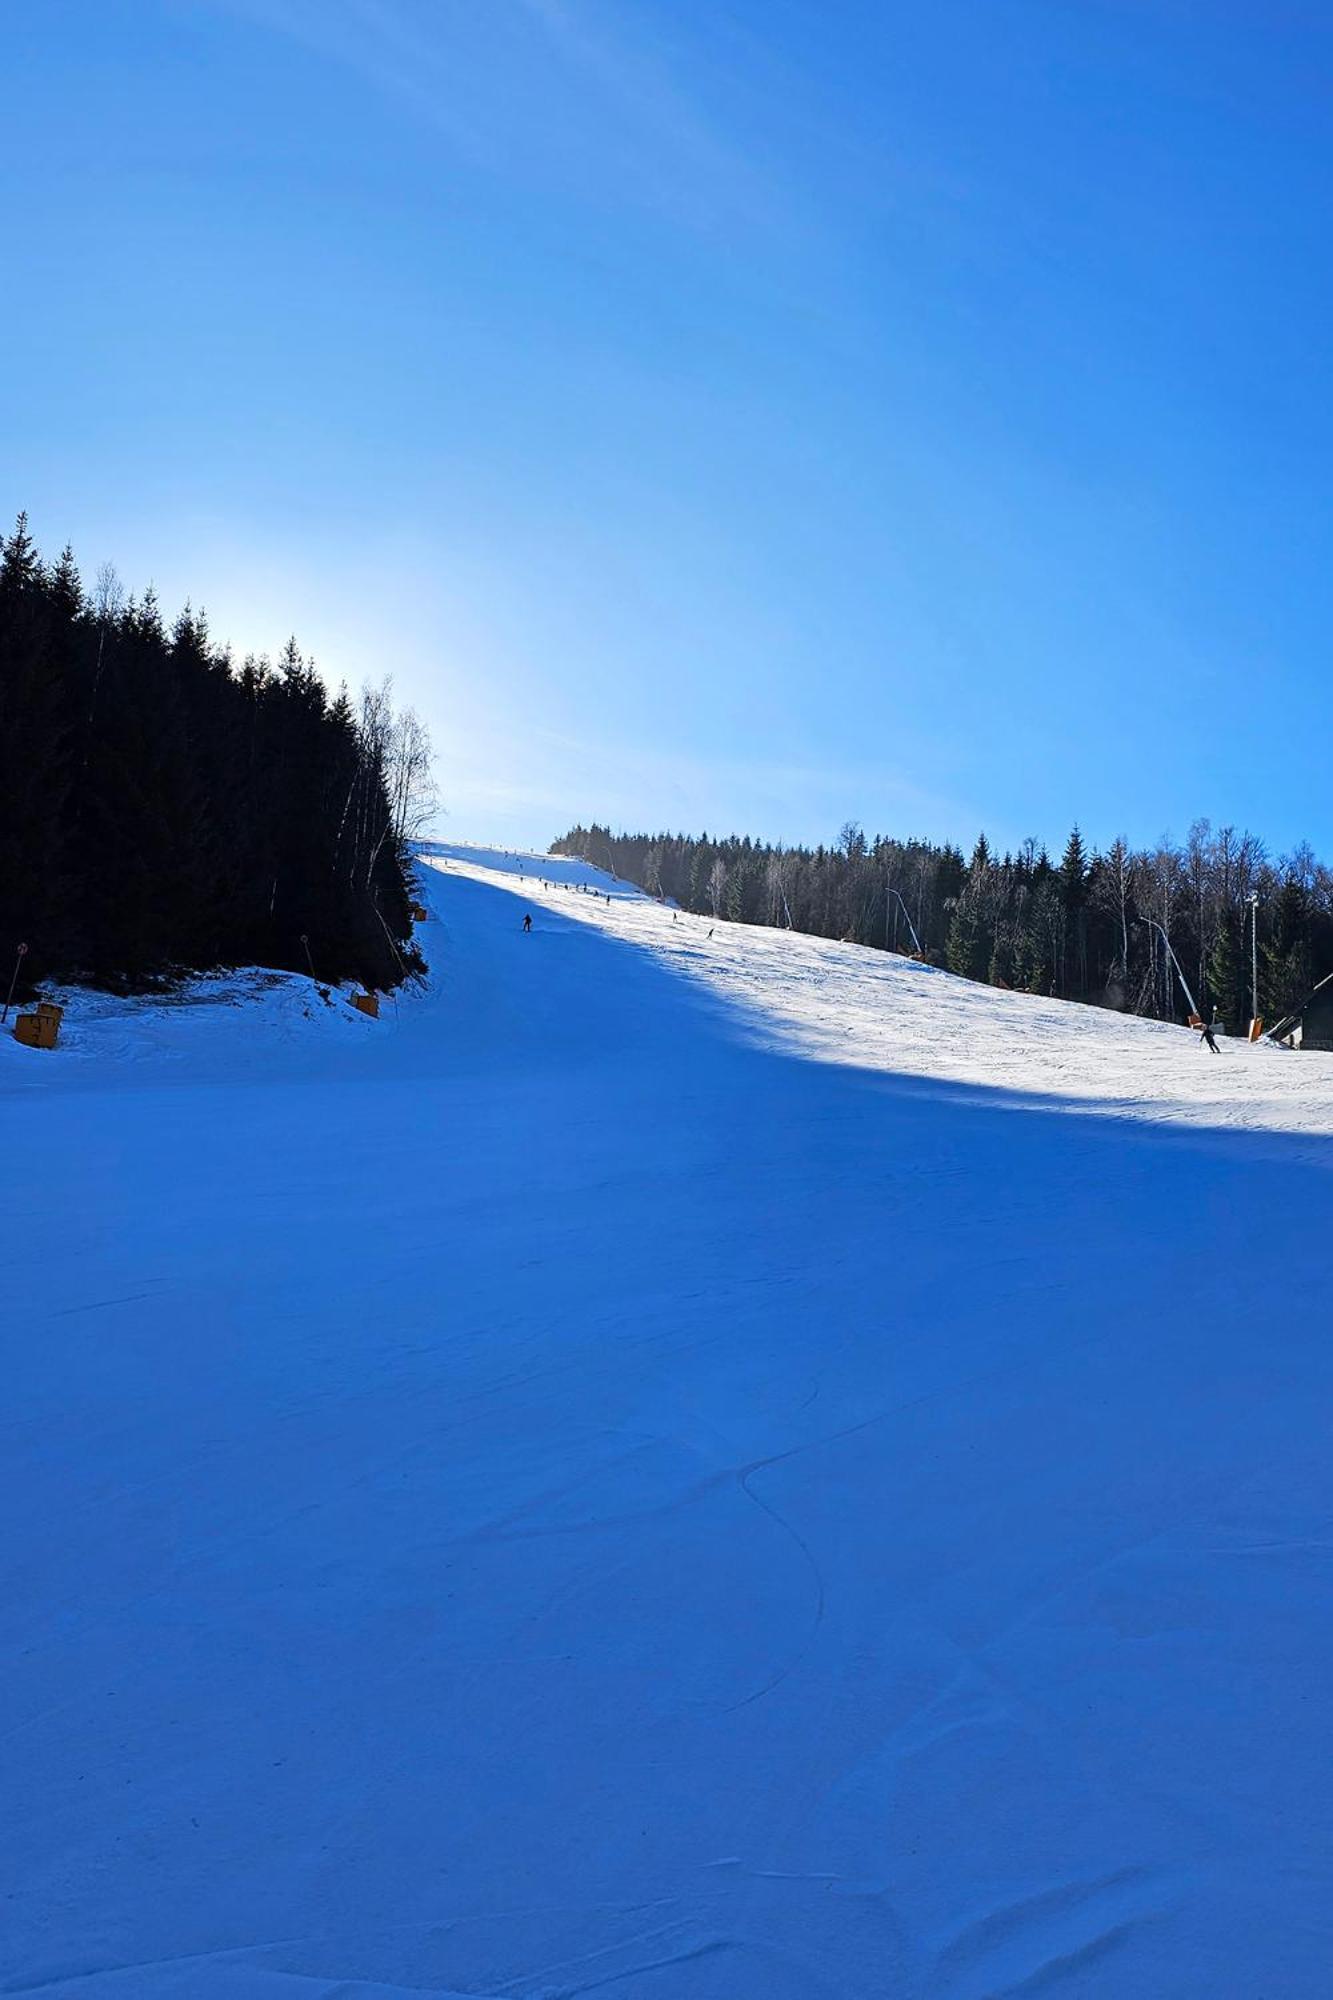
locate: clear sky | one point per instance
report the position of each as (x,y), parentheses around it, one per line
(741,414)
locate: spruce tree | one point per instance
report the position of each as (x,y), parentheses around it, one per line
(1287,972)
(20,566)
(1228,983)
(967,951)
(1000,971)
(1073,893)
(66,588)
(1074,871)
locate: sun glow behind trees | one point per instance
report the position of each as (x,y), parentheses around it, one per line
(162,809)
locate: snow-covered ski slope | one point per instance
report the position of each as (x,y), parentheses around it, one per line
(670,1467)
(842,1003)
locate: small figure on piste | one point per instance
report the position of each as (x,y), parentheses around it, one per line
(1210,1034)
(527,920)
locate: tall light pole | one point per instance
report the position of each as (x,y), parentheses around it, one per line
(1254,960)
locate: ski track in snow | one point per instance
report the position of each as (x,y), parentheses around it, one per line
(668,1465)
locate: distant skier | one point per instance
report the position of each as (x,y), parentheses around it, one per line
(527,921)
(1210,1035)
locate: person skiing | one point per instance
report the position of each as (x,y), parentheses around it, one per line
(527,920)
(1210,1035)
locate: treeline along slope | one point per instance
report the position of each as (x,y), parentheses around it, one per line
(1091,926)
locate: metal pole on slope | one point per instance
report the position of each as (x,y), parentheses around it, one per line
(22,954)
(1194,1005)
(1254,960)
(916,942)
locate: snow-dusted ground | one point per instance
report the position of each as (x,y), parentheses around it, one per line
(669,1466)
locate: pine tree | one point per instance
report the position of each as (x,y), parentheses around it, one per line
(66,588)
(1042,928)
(20,567)
(1073,972)
(1286,964)
(967,951)
(1000,971)
(1228,986)
(1074,871)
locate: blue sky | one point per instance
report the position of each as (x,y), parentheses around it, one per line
(745,415)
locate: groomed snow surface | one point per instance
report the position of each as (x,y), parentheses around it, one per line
(670,1466)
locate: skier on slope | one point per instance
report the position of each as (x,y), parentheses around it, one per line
(1210,1035)
(527,920)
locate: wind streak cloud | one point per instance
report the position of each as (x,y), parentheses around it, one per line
(526,89)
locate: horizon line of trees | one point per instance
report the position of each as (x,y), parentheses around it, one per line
(1099,927)
(163,810)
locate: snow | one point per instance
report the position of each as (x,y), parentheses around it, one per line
(844,1003)
(253,1021)
(667,1465)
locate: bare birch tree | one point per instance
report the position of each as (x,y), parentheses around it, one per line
(717,885)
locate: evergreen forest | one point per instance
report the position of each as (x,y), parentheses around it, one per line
(164,810)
